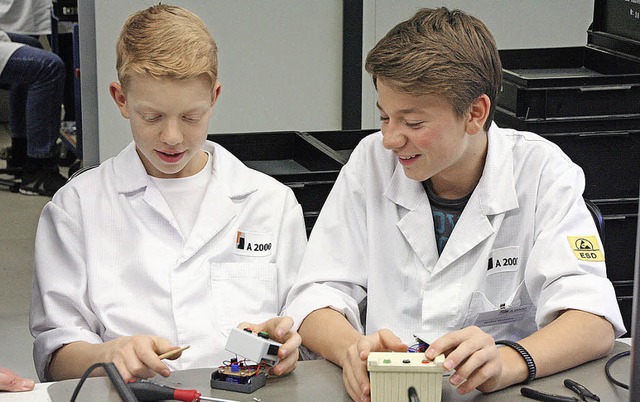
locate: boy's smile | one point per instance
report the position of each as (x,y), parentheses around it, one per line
(169,121)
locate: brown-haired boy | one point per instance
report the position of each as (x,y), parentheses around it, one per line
(453,229)
(151,250)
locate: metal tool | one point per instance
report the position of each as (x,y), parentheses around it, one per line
(581,390)
(149,391)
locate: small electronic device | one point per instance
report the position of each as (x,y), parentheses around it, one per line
(238,377)
(392,374)
(256,347)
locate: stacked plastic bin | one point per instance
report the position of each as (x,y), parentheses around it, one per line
(587,101)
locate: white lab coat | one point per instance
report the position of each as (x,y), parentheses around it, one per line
(110,260)
(375,238)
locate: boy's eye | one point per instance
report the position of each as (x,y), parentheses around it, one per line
(414,124)
(191,119)
(384,118)
(151,117)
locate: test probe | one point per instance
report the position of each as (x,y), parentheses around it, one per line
(147,391)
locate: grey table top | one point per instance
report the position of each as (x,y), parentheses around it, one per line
(320,380)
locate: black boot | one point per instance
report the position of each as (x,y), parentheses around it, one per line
(41,176)
(16,156)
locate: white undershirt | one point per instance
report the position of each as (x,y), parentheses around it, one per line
(184,195)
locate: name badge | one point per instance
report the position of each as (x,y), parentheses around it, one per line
(503,259)
(504,315)
(253,244)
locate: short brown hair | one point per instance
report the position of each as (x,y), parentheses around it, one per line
(166,41)
(440,52)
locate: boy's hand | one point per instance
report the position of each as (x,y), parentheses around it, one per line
(474,355)
(279,329)
(354,367)
(137,356)
(10,381)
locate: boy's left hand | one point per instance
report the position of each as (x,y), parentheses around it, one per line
(474,355)
(279,329)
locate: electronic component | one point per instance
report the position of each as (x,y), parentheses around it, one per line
(393,373)
(255,347)
(238,377)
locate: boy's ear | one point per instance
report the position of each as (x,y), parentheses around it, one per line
(115,89)
(217,88)
(478,114)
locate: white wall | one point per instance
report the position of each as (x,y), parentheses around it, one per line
(280,65)
(514,24)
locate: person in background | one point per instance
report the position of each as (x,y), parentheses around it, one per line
(37,18)
(10,381)
(35,78)
(173,241)
(445,227)
(26,17)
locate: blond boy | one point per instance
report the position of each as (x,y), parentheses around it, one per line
(145,253)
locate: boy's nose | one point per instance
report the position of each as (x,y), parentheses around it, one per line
(393,137)
(171,134)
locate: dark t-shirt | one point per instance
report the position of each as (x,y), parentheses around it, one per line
(445,214)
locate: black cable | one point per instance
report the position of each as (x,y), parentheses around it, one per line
(126,395)
(84,377)
(607,368)
(413,395)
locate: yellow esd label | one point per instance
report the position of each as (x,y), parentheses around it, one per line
(586,248)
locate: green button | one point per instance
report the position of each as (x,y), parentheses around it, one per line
(386,361)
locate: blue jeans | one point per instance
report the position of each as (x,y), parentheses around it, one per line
(36,78)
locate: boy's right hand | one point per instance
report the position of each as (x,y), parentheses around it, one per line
(354,367)
(137,356)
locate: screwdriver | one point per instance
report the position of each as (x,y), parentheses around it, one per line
(147,391)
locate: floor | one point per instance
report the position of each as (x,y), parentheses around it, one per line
(18,219)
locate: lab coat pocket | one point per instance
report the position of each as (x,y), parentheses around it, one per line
(244,292)
(478,304)
(512,317)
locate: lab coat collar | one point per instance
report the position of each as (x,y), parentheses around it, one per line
(222,193)
(404,191)
(130,173)
(132,176)
(418,221)
(496,188)
(494,195)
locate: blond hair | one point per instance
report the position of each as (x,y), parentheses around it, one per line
(440,52)
(166,41)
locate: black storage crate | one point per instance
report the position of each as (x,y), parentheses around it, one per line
(341,142)
(624,296)
(610,161)
(620,228)
(505,118)
(598,81)
(288,156)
